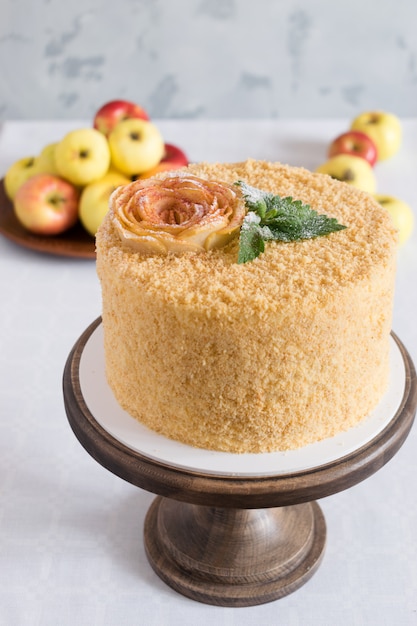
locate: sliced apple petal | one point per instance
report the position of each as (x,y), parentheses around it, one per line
(183,213)
(220,239)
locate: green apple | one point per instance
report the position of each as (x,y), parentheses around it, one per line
(82,156)
(401,214)
(136,146)
(383,128)
(18,173)
(46,160)
(350,169)
(94,200)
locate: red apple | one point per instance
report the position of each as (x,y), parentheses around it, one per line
(174,155)
(355,143)
(46,204)
(114,111)
(173,159)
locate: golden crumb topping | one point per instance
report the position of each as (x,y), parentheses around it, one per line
(285,271)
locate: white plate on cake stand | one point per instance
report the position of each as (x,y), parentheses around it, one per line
(107,412)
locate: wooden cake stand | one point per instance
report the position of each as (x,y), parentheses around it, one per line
(236,533)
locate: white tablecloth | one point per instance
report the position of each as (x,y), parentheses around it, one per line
(71,550)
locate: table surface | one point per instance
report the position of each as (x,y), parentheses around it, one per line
(71,549)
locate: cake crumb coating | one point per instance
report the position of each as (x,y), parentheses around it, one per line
(273,354)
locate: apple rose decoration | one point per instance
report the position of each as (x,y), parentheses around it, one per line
(177,214)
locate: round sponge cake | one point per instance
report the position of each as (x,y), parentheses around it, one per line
(273,354)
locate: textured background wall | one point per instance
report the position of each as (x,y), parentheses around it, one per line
(208,58)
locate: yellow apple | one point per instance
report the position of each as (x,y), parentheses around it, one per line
(46,160)
(136,146)
(350,169)
(18,173)
(82,156)
(401,214)
(94,200)
(383,128)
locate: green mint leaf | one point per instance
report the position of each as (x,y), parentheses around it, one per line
(251,241)
(258,201)
(294,221)
(271,217)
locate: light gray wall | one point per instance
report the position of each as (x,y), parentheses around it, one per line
(208,58)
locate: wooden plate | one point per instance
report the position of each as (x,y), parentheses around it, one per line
(75,242)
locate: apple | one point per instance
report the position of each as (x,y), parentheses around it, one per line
(94,200)
(46,160)
(173,159)
(114,112)
(383,128)
(18,173)
(46,204)
(82,156)
(401,214)
(135,146)
(174,155)
(350,169)
(356,143)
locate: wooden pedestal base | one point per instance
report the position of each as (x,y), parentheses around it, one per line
(232,539)
(234,557)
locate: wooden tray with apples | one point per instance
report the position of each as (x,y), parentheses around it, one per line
(55,202)
(74,242)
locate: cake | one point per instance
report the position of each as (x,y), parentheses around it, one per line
(271,354)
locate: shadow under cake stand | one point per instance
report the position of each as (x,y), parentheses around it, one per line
(231,530)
